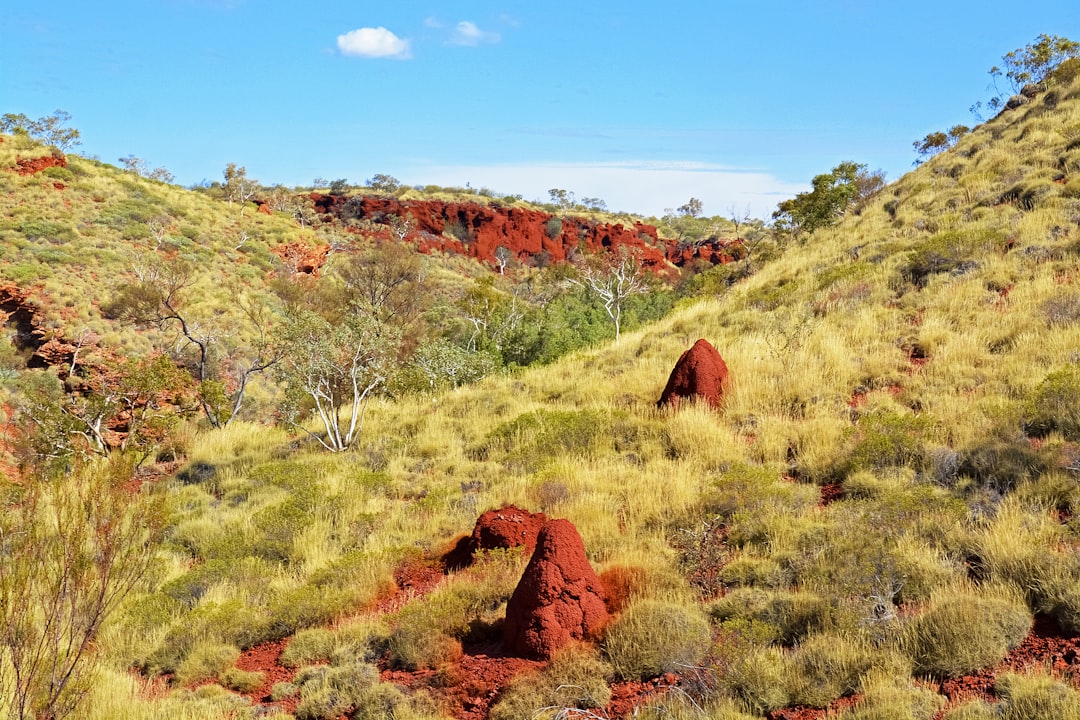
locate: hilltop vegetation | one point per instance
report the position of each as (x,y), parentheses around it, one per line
(885,502)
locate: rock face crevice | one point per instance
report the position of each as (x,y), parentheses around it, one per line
(700,372)
(559,598)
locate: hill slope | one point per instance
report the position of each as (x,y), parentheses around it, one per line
(882,506)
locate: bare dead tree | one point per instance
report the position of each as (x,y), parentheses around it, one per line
(613,279)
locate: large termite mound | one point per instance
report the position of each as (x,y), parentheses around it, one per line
(700,372)
(559,598)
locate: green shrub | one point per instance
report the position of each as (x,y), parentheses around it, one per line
(962,633)
(976,710)
(553,227)
(947,252)
(826,667)
(327,692)
(575,678)
(887,697)
(792,615)
(242,681)
(283,690)
(887,439)
(1055,404)
(757,680)
(530,440)
(653,637)
(414,647)
(1036,697)
(206,661)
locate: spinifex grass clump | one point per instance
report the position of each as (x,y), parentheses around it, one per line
(963,631)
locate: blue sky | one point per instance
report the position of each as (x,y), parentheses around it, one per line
(642,104)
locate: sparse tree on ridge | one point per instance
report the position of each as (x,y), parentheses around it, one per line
(834,192)
(50,129)
(238,187)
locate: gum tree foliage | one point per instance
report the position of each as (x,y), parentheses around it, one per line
(614,278)
(221,363)
(143,398)
(72,545)
(333,364)
(50,129)
(142,168)
(833,194)
(384,183)
(1033,63)
(935,142)
(238,187)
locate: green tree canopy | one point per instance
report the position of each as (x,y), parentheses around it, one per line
(834,192)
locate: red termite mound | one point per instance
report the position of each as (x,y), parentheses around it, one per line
(558,600)
(700,372)
(506,527)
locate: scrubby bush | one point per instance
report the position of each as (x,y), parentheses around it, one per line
(887,697)
(576,678)
(757,680)
(205,661)
(792,615)
(825,667)
(1035,697)
(242,681)
(653,636)
(327,692)
(1055,404)
(962,632)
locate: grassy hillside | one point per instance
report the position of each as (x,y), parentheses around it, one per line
(884,503)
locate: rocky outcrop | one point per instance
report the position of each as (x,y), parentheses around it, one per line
(559,598)
(528,235)
(30,166)
(478,230)
(302,259)
(700,372)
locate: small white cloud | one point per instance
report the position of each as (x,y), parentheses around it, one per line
(374,43)
(468,34)
(433,22)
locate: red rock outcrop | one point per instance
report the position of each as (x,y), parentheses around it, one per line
(700,372)
(477,230)
(559,598)
(29,166)
(302,259)
(713,251)
(506,527)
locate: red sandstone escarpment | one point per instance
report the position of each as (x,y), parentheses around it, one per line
(534,236)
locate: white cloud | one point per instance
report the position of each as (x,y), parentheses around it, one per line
(645,188)
(468,34)
(374,43)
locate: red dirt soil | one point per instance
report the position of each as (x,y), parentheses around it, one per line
(699,372)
